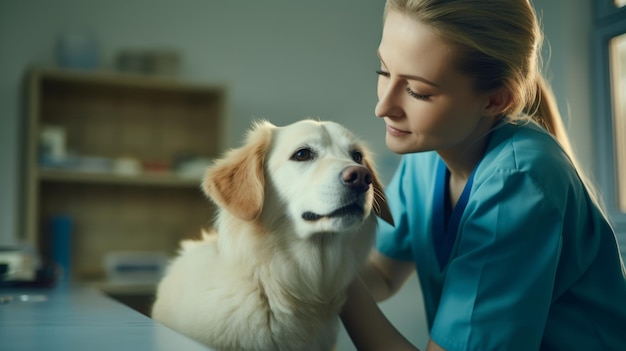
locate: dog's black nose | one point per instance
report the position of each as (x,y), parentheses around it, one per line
(357,178)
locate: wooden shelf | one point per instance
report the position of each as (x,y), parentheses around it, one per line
(112,116)
(124,80)
(165,179)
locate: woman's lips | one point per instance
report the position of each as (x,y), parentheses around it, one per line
(396,132)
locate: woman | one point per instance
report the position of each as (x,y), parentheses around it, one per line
(511,248)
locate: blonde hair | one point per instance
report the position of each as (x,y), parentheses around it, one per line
(498,44)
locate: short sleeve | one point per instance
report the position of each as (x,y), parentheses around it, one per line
(409,195)
(497,290)
(395,241)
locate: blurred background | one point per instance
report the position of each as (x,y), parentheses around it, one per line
(275,59)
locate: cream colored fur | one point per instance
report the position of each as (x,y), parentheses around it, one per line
(269,278)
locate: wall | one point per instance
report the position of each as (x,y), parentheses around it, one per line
(567,56)
(283,60)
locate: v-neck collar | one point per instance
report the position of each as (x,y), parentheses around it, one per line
(446,220)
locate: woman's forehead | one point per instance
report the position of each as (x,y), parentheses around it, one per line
(413,48)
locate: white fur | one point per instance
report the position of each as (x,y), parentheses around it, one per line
(274,281)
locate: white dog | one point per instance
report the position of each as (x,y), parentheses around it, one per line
(295,222)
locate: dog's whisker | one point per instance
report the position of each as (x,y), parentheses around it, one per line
(379,196)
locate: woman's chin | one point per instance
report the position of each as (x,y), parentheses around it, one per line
(397,146)
(404,145)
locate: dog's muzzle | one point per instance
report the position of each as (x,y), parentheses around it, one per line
(356,178)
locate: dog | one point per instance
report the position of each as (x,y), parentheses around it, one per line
(295,220)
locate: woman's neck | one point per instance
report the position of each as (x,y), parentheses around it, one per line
(463,158)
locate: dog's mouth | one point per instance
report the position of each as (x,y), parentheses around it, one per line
(349,210)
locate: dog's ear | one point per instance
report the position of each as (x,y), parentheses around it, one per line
(236,182)
(381,208)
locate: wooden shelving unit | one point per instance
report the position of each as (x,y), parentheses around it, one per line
(109,116)
(162,180)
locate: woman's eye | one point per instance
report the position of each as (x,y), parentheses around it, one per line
(416,95)
(304,154)
(382,73)
(357,156)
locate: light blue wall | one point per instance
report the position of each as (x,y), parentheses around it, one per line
(567,54)
(283,60)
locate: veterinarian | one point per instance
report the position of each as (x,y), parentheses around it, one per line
(511,247)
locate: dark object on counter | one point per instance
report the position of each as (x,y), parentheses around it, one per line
(45,277)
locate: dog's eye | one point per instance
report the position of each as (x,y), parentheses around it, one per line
(304,154)
(357,156)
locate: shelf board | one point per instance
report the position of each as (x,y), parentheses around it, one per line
(164,179)
(124,80)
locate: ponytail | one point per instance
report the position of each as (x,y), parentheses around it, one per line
(544,110)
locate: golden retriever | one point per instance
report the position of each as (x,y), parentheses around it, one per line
(295,221)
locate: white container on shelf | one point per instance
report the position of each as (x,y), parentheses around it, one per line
(135,267)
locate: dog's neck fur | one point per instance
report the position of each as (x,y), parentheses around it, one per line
(325,263)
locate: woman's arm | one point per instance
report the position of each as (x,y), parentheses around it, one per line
(384,276)
(367,326)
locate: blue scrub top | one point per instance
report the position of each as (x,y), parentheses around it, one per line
(531,262)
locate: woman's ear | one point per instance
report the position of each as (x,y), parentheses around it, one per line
(498,101)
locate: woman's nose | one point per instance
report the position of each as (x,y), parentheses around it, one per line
(388,101)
